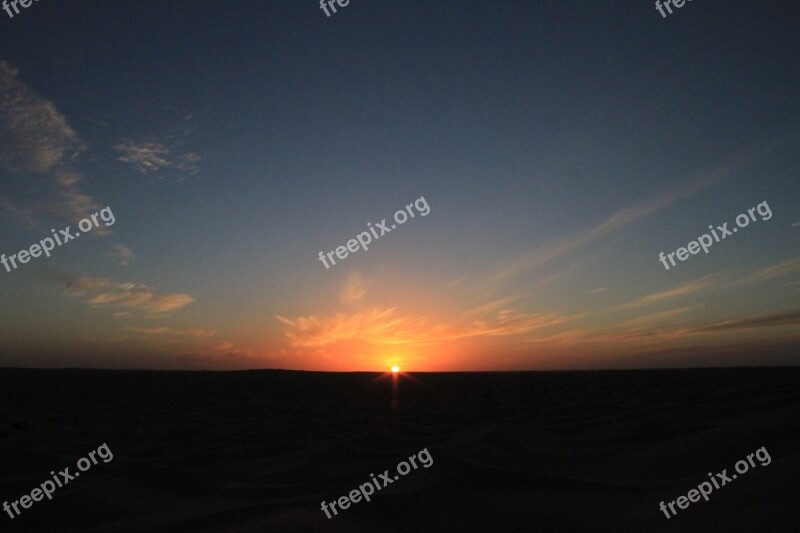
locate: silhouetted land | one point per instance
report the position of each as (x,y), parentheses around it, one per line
(527,451)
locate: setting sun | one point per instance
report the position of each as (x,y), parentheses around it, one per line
(395,369)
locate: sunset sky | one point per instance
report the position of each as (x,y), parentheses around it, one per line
(561,146)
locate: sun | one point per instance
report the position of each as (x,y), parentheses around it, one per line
(395,369)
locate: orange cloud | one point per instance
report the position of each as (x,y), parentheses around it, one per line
(102,292)
(354,290)
(176,332)
(382,327)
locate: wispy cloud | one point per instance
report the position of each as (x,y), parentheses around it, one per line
(378,326)
(23,215)
(151,155)
(145,156)
(229,348)
(172,331)
(36,138)
(99,292)
(614,222)
(677,292)
(653,318)
(70,203)
(504,323)
(354,289)
(222,355)
(121,253)
(491,307)
(778,270)
(697,181)
(383,327)
(791,318)
(455,282)
(652,328)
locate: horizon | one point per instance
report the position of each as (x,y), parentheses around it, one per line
(401,373)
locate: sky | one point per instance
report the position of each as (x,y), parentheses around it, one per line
(555,149)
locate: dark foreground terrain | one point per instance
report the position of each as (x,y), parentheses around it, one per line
(259,451)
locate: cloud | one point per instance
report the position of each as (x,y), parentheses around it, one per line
(382,327)
(149,155)
(653,318)
(493,306)
(100,292)
(677,292)
(354,289)
(614,222)
(796,225)
(698,181)
(35,137)
(228,349)
(222,355)
(791,318)
(23,215)
(121,253)
(144,156)
(778,270)
(649,328)
(372,326)
(456,282)
(149,331)
(171,331)
(505,323)
(601,289)
(198,332)
(70,203)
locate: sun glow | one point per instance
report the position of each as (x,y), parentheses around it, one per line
(395,369)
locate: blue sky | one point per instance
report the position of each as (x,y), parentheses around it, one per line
(561,147)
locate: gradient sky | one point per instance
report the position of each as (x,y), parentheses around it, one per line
(561,146)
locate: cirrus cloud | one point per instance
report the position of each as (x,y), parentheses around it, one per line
(149,155)
(382,327)
(36,138)
(99,292)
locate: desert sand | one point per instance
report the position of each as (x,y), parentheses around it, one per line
(527,451)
